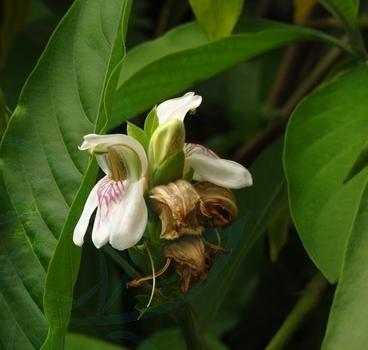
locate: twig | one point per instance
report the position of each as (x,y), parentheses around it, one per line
(310,298)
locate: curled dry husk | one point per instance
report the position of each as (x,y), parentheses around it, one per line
(178,205)
(192,258)
(218,204)
(187,209)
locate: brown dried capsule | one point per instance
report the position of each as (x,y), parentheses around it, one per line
(218,203)
(192,258)
(178,205)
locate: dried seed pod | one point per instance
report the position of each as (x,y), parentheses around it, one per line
(178,205)
(192,258)
(218,203)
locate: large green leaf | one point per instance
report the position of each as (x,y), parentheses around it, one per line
(257,205)
(44,179)
(217,17)
(324,136)
(171,64)
(347,326)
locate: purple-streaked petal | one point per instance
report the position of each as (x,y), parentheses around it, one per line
(110,195)
(128,225)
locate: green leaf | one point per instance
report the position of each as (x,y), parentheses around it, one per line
(347,325)
(44,180)
(359,165)
(324,135)
(278,232)
(217,17)
(172,338)
(345,10)
(61,277)
(4,113)
(151,123)
(171,64)
(76,341)
(257,205)
(138,134)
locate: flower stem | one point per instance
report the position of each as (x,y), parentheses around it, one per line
(193,336)
(307,302)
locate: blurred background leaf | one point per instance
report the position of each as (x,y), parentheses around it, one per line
(278,231)
(217,17)
(168,339)
(76,341)
(162,68)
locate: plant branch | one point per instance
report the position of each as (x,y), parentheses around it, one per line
(310,298)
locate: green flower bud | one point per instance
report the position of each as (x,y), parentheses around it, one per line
(166,142)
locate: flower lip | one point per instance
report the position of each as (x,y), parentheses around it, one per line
(178,107)
(101,143)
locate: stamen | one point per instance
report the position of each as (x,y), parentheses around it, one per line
(116,165)
(139,281)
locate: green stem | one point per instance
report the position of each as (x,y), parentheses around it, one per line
(194,338)
(307,302)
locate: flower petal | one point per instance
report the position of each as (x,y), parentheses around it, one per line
(128,225)
(177,107)
(100,232)
(222,172)
(89,208)
(110,195)
(101,143)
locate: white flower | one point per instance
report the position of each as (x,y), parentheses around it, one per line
(121,215)
(177,108)
(207,165)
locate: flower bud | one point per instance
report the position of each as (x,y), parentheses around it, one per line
(167,140)
(178,205)
(218,203)
(189,252)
